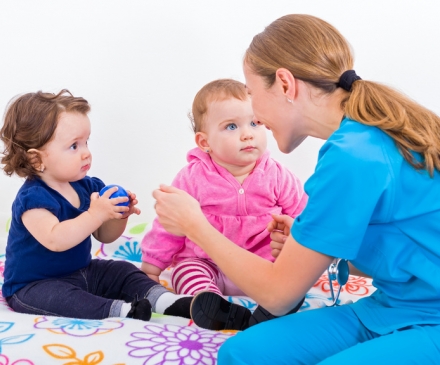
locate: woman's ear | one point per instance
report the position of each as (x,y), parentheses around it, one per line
(201,139)
(287,82)
(34,158)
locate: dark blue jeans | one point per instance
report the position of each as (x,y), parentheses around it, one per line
(95,292)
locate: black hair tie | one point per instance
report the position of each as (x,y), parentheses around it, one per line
(347,78)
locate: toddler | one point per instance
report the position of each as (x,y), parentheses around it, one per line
(48,267)
(238,185)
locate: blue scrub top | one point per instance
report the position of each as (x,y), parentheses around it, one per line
(367,204)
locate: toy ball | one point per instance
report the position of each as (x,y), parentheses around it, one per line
(117,194)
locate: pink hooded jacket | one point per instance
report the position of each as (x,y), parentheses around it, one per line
(240,212)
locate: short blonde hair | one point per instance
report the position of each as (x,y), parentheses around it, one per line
(216,90)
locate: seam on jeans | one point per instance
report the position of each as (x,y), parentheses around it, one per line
(84,275)
(39,311)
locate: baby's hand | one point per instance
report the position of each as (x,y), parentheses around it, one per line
(279,230)
(131,206)
(104,208)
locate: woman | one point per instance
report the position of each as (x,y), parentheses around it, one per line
(374,199)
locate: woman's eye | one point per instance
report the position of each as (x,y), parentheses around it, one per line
(231,126)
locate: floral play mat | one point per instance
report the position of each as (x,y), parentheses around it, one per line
(45,340)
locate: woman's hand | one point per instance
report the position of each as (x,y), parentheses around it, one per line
(279,230)
(177,211)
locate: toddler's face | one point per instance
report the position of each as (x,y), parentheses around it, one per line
(67,157)
(234,138)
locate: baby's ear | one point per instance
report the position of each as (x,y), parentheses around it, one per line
(34,158)
(201,139)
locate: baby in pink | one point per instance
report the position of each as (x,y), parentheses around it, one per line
(238,185)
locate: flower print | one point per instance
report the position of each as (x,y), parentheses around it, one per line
(358,285)
(4,360)
(2,268)
(77,327)
(355,285)
(176,345)
(131,251)
(11,340)
(243,301)
(64,352)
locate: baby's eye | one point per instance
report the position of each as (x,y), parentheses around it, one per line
(231,126)
(74,146)
(253,124)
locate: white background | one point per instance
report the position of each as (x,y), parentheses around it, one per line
(140,63)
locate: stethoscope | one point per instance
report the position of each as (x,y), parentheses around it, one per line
(338,270)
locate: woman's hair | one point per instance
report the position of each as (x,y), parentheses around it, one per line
(216,90)
(316,53)
(30,122)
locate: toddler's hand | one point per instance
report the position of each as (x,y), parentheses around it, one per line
(279,229)
(132,209)
(104,208)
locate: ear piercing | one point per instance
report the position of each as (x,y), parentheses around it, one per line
(289,100)
(207,150)
(42,168)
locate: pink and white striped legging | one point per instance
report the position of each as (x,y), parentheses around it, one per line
(193,275)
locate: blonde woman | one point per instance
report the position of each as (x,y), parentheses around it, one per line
(374,199)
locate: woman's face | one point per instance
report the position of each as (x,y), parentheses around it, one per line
(271,108)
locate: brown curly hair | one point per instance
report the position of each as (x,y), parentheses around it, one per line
(29,123)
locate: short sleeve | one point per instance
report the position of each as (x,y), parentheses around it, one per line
(36,197)
(351,175)
(93,184)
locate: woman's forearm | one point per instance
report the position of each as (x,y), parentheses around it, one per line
(277,286)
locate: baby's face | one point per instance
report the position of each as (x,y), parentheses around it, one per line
(234,138)
(67,157)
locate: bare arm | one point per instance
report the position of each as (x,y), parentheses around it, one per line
(276,286)
(60,236)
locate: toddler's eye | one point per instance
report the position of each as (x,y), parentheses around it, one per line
(253,124)
(74,146)
(231,126)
